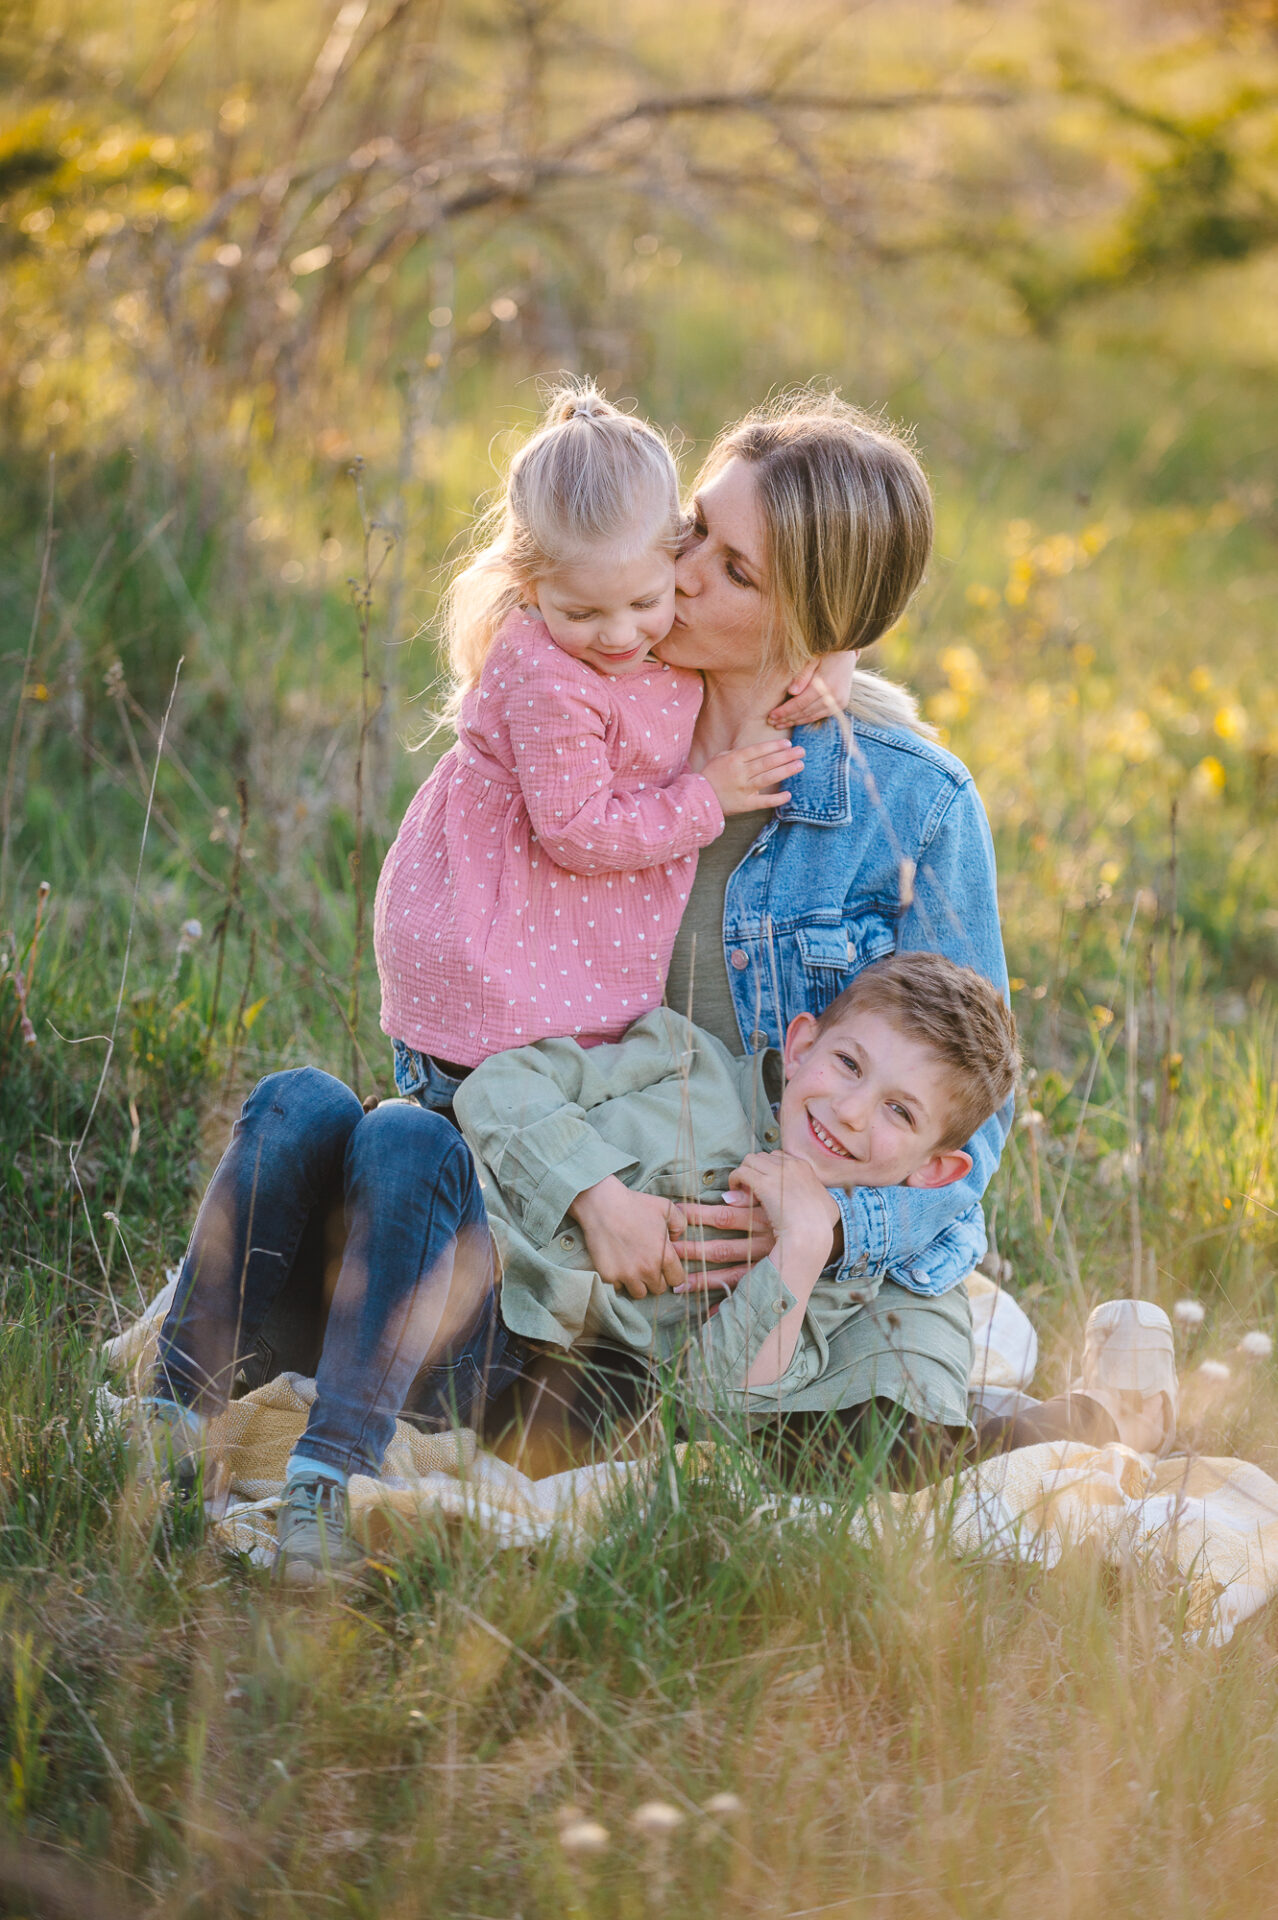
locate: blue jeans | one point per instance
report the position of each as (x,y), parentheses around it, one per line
(383,1211)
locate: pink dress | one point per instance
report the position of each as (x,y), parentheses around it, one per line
(537,882)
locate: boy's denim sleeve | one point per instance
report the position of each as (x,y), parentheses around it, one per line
(928,1239)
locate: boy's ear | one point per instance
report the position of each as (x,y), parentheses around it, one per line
(942,1170)
(799,1035)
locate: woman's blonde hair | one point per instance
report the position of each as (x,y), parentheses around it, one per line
(591,476)
(848,517)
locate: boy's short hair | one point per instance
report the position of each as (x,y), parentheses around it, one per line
(954,1011)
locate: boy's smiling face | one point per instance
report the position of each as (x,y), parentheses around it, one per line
(867,1105)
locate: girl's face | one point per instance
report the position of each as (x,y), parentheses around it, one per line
(720,582)
(609,613)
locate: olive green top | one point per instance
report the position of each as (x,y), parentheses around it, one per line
(670,1111)
(697,983)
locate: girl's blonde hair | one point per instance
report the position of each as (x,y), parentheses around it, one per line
(591,476)
(848,517)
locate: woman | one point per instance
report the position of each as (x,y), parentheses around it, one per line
(811,528)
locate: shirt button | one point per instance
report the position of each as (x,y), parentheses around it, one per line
(707,1179)
(738,959)
(770,1133)
(778,1306)
(759,1039)
(566,1240)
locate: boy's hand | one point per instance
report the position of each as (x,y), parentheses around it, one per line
(629,1237)
(748,778)
(824,687)
(803,1213)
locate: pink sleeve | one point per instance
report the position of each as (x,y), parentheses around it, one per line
(584,820)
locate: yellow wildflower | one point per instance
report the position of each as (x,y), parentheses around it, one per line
(1208,777)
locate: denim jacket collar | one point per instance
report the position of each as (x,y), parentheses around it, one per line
(821,796)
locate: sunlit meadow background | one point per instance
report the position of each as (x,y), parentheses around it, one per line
(278,282)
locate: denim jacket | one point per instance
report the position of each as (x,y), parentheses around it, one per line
(883,844)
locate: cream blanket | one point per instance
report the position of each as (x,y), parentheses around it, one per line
(1209,1525)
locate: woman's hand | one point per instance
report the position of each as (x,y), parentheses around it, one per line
(822,688)
(714,1264)
(747,778)
(629,1237)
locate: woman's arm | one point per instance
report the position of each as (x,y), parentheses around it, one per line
(927,1239)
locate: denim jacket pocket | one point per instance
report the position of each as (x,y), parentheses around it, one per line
(830,957)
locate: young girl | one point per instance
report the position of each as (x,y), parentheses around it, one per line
(538,879)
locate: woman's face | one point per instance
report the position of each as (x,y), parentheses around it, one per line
(720,584)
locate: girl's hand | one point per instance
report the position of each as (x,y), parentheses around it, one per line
(629,1237)
(803,1213)
(748,778)
(824,687)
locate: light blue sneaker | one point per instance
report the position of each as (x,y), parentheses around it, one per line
(315,1549)
(172,1446)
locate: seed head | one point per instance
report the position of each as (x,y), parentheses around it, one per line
(656,1819)
(583,1836)
(1214,1370)
(1189,1313)
(724,1805)
(1256,1346)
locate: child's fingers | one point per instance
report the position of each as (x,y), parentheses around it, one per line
(772,753)
(814,703)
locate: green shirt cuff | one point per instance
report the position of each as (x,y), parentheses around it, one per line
(590,1161)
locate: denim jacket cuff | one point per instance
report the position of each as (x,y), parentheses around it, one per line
(866,1233)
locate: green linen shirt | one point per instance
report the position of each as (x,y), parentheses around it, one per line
(670,1111)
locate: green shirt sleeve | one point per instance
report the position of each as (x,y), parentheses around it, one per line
(718,1358)
(526,1114)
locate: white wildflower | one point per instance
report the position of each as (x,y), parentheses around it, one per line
(656,1818)
(583,1836)
(1256,1346)
(1214,1370)
(723,1805)
(1189,1313)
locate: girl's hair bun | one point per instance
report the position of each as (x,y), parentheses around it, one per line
(580,403)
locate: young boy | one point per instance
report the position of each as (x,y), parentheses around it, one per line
(883,1089)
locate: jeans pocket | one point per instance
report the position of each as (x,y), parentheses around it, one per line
(418,1078)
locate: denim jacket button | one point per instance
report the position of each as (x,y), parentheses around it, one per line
(738,959)
(759,1039)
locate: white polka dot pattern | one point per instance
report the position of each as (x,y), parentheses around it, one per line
(538,879)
